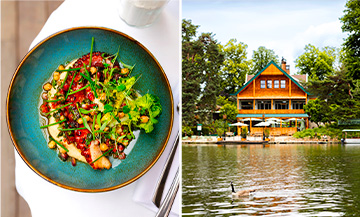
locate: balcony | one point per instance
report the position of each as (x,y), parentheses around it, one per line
(271,111)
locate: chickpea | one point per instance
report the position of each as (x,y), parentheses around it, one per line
(47,86)
(87,118)
(61,67)
(103,147)
(97,126)
(103,96)
(80,120)
(62,150)
(52,144)
(144,119)
(44,95)
(124,71)
(62,118)
(125,142)
(119,130)
(93,70)
(93,113)
(106,129)
(121,114)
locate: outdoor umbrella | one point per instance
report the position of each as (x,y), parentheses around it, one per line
(239,124)
(273,119)
(264,124)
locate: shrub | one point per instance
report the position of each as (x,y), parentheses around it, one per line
(244,132)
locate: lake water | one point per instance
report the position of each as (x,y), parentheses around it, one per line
(290,180)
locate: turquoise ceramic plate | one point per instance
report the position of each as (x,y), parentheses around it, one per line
(23,109)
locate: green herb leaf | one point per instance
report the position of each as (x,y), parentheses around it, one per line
(68,70)
(67,150)
(42,127)
(91,50)
(72,80)
(54,100)
(83,88)
(121,87)
(126,109)
(84,111)
(71,129)
(57,109)
(101,156)
(108,108)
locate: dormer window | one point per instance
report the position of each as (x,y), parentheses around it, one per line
(283,84)
(262,84)
(269,84)
(276,83)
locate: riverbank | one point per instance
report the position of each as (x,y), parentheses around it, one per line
(273,140)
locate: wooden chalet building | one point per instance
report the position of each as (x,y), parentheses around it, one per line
(273,93)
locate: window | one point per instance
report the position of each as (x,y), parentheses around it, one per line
(281,104)
(263,104)
(298,104)
(246,104)
(269,83)
(283,84)
(262,84)
(276,83)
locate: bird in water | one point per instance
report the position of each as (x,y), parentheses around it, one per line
(242,193)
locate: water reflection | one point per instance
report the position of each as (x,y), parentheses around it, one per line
(305,180)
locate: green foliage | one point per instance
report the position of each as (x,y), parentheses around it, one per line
(191,71)
(351,25)
(317,63)
(244,132)
(218,127)
(330,132)
(337,99)
(317,110)
(235,66)
(261,57)
(201,61)
(187,131)
(267,132)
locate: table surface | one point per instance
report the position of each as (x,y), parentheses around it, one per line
(168,26)
(19,27)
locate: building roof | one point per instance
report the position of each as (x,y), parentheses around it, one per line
(252,77)
(272,115)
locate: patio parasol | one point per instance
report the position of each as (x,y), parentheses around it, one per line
(238,124)
(273,119)
(263,124)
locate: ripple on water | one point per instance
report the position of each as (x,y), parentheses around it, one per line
(290,180)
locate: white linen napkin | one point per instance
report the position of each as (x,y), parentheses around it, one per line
(162,39)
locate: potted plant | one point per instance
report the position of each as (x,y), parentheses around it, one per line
(267,134)
(243,133)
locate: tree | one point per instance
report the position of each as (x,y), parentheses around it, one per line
(228,108)
(316,109)
(261,57)
(210,61)
(235,66)
(191,78)
(336,99)
(351,25)
(201,61)
(317,63)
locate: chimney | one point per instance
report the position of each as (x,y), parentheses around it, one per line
(285,67)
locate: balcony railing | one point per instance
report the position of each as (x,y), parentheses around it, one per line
(271,111)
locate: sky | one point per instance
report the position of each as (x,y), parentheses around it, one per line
(284,26)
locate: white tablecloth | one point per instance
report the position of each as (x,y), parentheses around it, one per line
(163,40)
